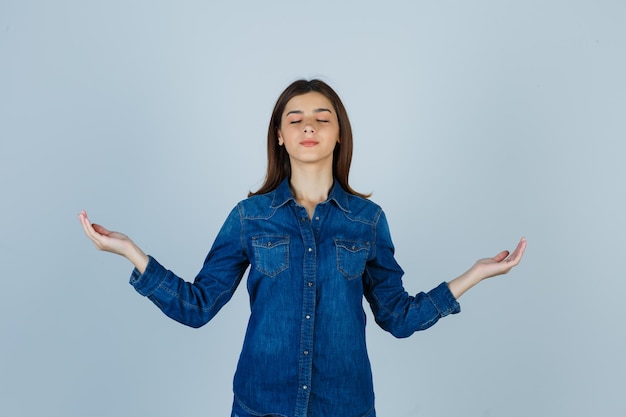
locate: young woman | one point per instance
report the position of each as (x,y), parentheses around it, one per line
(315,248)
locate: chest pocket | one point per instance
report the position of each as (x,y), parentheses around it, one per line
(351,257)
(271,254)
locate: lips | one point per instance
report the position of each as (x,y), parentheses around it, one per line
(309,142)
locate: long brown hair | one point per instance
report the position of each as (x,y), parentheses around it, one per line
(278,165)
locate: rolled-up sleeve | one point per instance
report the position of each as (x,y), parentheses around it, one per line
(146,283)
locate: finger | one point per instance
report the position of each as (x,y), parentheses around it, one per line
(89,230)
(517,254)
(81,216)
(84,221)
(100,229)
(501,256)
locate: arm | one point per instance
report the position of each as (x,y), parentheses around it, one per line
(114,242)
(402,314)
(485,268)
(193,304)
(394,309)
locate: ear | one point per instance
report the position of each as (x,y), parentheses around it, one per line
(281,142)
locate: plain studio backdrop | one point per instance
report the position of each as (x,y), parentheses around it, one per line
(475,123)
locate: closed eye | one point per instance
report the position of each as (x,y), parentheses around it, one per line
(293,122)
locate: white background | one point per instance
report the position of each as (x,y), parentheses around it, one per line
(475,123)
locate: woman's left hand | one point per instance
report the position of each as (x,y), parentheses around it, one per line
(501,263)
(487,268)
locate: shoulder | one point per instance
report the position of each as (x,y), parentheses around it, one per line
(257,206)
(363,209)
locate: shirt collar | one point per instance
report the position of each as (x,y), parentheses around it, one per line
(282,194)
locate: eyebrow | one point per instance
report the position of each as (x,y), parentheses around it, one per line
(321,109)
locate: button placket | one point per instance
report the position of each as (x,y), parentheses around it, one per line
(309,277)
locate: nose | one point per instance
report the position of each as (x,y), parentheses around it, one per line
(308,128)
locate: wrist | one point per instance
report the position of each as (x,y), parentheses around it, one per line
(463,282)
(138,258)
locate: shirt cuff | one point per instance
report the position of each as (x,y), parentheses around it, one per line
(146,283)
(444,301)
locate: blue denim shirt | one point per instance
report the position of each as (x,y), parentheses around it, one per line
(304,352)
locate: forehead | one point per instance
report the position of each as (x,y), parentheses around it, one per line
(309,101)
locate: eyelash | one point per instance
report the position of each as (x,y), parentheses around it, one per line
(293,122)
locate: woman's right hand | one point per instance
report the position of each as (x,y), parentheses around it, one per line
(114,242)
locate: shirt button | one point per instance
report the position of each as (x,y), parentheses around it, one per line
(306,352)
(310,249)
(310,284)
(307,317)
(305,387)
(317,218)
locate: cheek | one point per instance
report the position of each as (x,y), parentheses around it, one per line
(334,132)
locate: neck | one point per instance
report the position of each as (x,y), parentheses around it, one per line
(310,185)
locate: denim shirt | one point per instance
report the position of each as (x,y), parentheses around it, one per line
(304,352)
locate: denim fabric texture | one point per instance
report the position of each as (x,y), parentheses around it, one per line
(304,352)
